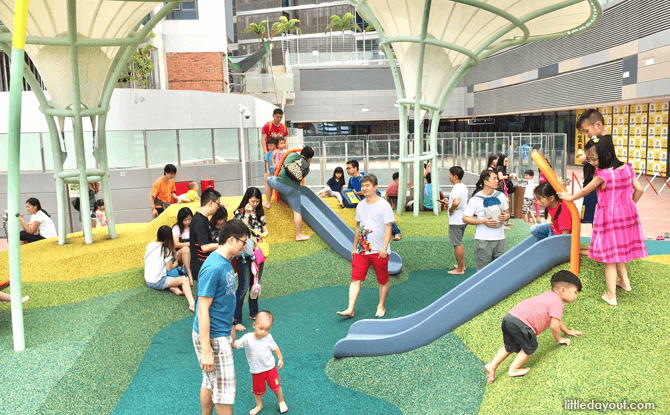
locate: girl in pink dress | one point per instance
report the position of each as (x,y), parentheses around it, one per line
(617,232)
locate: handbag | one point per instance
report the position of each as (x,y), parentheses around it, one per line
(262,249)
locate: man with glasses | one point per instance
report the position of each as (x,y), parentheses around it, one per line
(213,333)
(201,242)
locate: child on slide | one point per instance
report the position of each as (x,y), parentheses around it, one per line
(561,222)
(334,186)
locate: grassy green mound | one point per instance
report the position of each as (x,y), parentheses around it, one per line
(622,355)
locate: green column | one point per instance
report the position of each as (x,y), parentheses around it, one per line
(13,189)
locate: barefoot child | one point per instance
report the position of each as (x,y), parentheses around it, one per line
(191,195)
(458,200)
(528,197)
(279,152)
(529,318)
(269,171)
(258,347)
(561,222)
(374,220)
(617,232)
(160,268)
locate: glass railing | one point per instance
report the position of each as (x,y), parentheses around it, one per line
(379,153)
(150,148)
(337,58)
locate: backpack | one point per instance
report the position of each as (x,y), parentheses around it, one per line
(492,206)
(297,169)
(350,198)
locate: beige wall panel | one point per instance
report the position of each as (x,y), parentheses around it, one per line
(629,92)
(570,65)
(624,50)
(481,87)
(511,80)
(653,72)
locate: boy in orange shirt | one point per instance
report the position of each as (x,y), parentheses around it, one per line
(163,190)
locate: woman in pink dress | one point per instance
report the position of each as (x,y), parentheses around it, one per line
(617,232)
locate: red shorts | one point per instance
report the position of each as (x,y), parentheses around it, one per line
(271,377)
(361,263)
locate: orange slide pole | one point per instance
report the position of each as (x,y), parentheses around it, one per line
(574,214)
(275,193)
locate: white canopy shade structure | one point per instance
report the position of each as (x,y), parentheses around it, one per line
(81,49)
(436,42)
(96,19)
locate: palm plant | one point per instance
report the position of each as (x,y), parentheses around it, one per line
(287,26)
(260,30)
(341,24)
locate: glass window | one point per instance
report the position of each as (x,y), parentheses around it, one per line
(31,155)
(195,146)
(255,147)
(162,148)
(226,145)
(125,149)
(71,160)
(187,10)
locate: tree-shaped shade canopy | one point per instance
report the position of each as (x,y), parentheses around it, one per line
(101,20)
(458,30)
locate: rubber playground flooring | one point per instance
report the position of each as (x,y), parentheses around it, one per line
(105,343)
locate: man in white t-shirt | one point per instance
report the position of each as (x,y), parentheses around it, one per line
(458,200)
(374,221)
(491,211)
(528,196)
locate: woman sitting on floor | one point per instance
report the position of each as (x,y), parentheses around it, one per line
(160,267)
(40,227)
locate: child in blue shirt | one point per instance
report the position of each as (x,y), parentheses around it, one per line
(269,170)
(335,186)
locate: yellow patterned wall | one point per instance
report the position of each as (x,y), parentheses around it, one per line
(580,138)
(657,138)
(639,133)
(620,130)
(637,136)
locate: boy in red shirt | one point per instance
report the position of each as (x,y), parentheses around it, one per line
(529,318)
(273,129)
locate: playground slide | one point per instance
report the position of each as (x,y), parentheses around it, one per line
(332,229)
(495,282)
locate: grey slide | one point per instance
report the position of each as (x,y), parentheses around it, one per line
(512,271)
(332,229)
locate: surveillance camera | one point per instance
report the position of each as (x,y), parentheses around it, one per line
(246,114)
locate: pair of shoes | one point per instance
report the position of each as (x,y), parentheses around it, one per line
(660,238)
(666,235)
(252,318)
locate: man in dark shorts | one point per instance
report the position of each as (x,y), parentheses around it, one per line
(201,242)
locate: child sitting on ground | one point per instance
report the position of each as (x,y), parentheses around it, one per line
(528,196)
(392,191)
(335,186)
(529,318)
(191,195)
(561,222)
(269,170)
(258,347)
(100,217)
(161,270)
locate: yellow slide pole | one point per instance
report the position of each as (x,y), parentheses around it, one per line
(574,213)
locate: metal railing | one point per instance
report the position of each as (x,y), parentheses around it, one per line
(379,153)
